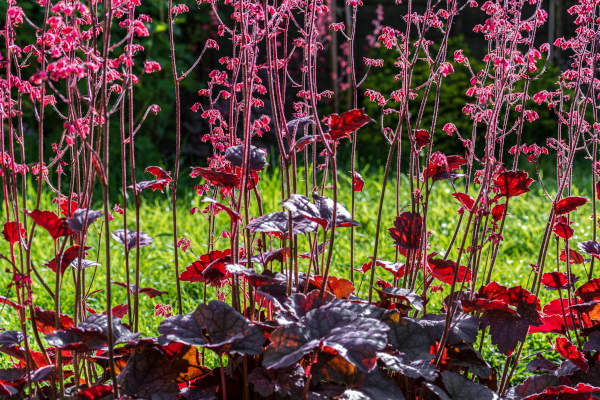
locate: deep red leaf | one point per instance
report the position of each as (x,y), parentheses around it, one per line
(569,204)
(67,258)
(95,392)
(159,173)
(570,352)
(498,212)
(341,125)
(563,230)
(357,182)
(589,290)
(445,270)
(51,222)
(512,183)
(209,268)
(13,232)
(45,321)
(464,199)
(556,280)
(574,257)
(407,230)
(422,138)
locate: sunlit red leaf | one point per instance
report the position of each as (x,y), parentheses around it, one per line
(574,257)
(557,280)
(552,323)
(464,199)
(589,290)
(422,138)
(397,269)
(13,232)
(67,207)
(341,125)
(512,183)
(67,258)
(233,215)
(498,212)
(340,287)
(407,230)
(570,352)
(217,178)
(563,230)
(445,271)
(357,182)
(582,391)
(51,222)
(569,204)
(159,173)
(45,320)
(95,392)
(210,267)
(442,166)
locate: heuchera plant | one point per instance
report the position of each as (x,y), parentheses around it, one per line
(283,325)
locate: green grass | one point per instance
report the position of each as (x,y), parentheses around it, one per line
(522,236)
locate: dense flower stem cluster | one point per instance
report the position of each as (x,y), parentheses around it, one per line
(291,318)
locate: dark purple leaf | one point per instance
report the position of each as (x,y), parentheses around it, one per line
(77,222)
(402,294)
(43,373)
(414,369)
(460,388)
(374,386)
(408,337)
(149,374)
(216,326)
(288,383)
(590,247)
(129,239)
(277,223)
(257,158)
(325,205)
(540,363)
(11,338)
(463,327)
(355,338)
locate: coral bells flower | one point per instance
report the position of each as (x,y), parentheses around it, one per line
(449,128)
(151,66)
(212,44)
(337,26)
(354,3)
(15,15)
(184,243)
(373,62)
(163,310)
(446,69)
(179,9)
